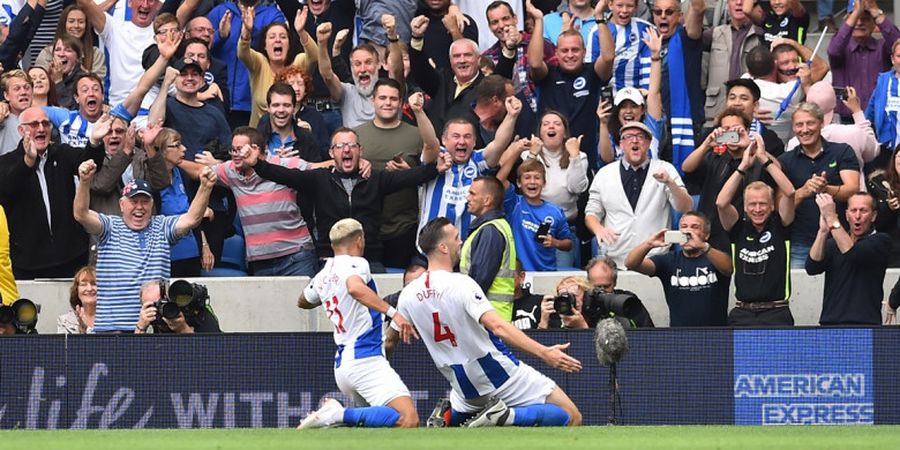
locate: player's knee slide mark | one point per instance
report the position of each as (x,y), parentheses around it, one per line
(371,417)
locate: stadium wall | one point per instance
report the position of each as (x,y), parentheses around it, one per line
(258,304)
(670,376)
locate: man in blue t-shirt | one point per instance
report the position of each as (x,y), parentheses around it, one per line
(695,278)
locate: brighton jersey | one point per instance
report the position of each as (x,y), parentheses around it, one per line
(445,196)
(445,308)
(357,329)
(631,66)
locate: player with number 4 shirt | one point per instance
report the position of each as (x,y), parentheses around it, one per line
(467,340)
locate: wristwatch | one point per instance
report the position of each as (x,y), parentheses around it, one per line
(836,224)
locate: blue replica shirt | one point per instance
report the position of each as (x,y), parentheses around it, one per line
(525,219)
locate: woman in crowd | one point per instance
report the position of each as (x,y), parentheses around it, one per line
(83,299)
(173,200)
(73,22)
(566,166)
(65,69)
(885,186)
(266,63)
(44,91)
(630,105)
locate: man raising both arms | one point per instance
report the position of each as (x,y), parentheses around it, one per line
(465,338)
(360,369)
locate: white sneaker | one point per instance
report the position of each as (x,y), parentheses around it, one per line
(494,414)
(330,414)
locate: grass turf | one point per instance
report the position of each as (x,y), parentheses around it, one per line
(663,437)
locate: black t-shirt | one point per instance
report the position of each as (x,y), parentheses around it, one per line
(697,293)
(762,260)
(575,96)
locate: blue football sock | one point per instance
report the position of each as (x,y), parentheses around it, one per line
(546,415)
(457,418)
(371,417)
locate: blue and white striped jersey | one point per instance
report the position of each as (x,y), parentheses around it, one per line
(445,196)
(631,67)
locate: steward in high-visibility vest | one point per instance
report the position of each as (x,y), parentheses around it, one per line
(479,259)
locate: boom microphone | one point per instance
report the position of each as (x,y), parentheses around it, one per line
(610,341)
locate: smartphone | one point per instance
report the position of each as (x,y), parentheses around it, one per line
(675,237)
(850,5)
(840,93)
(398,158)
(542,230)
(606,94)
(728,137)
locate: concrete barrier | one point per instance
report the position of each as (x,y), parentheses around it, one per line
(255,304)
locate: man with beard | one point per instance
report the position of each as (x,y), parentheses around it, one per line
(394,145)
(355,100)
(124,41)
(760,241)
(572,87)
(446,195)
(36,190)
(854,262)
(341,192)
(133,248)
(790,55)
(17,91)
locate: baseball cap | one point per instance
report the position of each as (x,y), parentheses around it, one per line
(638,125)
(628,93)
(185,63)
(137,187)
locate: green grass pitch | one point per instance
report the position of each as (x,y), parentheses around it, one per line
(661,437)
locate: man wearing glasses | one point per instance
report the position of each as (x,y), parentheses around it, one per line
(625,206)
(36,190)
(342,192)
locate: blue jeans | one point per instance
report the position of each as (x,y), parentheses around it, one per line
(333,120)
(825,8)
(302,263)
(799,252)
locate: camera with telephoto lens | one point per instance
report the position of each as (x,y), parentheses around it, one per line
(181,297)
(564,304)
(23,314)
(600,304)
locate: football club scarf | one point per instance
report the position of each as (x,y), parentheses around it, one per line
(682,125)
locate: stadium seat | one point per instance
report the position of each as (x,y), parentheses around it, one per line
(234,259)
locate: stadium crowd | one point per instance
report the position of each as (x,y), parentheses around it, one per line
(143,141)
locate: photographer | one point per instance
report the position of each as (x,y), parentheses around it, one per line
(20,317)
(565,310)
(602,273)
(195,317)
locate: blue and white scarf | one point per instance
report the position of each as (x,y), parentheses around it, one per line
(682,125)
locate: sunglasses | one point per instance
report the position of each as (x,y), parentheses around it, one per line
(664,12)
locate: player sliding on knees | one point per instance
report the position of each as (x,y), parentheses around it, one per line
(360,368)
(465,338)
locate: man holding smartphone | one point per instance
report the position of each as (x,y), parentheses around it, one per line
(695,276)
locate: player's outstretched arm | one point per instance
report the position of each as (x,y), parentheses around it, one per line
(553,355)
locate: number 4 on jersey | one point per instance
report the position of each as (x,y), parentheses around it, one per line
(442,335)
